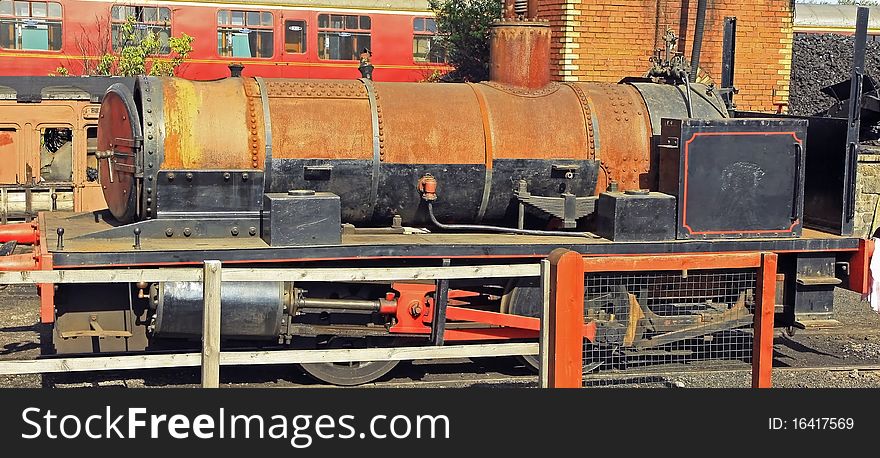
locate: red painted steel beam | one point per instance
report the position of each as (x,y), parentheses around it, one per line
(23,233)
(498,319)
(859,272)
(18,262)
(488,334)
(47,290)
(566,320)
(672,262)
(762,353)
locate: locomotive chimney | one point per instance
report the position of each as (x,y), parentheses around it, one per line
(520,53)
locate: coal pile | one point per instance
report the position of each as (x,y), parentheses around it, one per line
(820,60)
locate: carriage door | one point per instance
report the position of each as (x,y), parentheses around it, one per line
(11,151)
(296,47)
(10,158)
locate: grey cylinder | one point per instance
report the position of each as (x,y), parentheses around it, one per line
(248,310)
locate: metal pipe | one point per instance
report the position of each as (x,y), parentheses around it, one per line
(684,78)
(855,109)
(480,227)
(338,304)
(23,233)
(698,39)
(728,63)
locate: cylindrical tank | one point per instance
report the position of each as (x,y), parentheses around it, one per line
(370,142)
(251,310)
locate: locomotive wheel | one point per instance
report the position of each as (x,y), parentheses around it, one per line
(524,299)
(349,373)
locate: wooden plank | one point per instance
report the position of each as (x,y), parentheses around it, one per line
(101,276)
(383,274)
(566,319)
(260,274)
(243,358)
(762,350)
(211,325)
(544,351)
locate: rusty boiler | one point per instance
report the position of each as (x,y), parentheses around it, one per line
(176,148)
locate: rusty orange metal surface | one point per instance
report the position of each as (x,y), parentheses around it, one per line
(519,121)
(320,119)
(417,126)
(18,262)
(520,53)
(621,135)
(213,125)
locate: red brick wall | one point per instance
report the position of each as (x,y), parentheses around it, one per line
(606,40)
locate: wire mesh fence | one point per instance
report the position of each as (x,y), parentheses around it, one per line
(658,328)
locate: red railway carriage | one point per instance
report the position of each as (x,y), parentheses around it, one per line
(281,38)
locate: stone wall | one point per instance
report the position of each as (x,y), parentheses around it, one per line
(867,220)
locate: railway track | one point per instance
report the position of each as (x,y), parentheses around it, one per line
(622,379)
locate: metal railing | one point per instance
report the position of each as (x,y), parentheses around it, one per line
(562,335)
(212,274)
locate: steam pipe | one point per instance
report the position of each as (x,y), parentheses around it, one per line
(698,39)
(339,304)
(684,78)
(510,230)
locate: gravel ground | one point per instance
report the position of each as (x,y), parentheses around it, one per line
(855,343)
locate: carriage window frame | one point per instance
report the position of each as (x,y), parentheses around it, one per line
(14,20)
(422,33)
(356,26)
(226,25)
(91,158)
(142,22)
(41,143)
(303,34)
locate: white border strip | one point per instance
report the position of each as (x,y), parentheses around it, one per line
(101,363)
(378,274)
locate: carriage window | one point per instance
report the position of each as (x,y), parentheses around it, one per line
(295,36)
(342,37)
(245,33)
(91,149)
(56,154)
(146,19)
(426,46)
(30,25)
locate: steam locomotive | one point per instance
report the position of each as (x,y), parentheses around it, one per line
(355,173)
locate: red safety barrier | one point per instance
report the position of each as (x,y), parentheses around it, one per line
(566,320)
(765,309)
(567,330)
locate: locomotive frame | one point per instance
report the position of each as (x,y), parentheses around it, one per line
(177,199)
